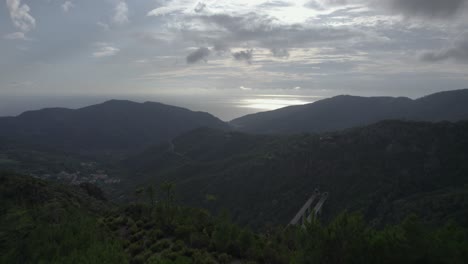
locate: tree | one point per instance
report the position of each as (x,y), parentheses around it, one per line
(168,189)
(151,195)
(139,193)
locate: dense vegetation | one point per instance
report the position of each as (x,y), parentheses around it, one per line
(385,171)
(398,190)
(42,222)
(344,112)
(36,160)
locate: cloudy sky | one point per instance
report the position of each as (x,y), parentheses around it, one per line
(262,51)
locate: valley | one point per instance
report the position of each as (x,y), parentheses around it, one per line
(234,132)
(177,191)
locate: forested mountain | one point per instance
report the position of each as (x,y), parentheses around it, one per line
(398,190)
(117,128)
(386,171)
(109,128)
(43,222)
(343,112)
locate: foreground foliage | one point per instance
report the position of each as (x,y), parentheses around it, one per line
(45,223)
(181,235)
(41,222)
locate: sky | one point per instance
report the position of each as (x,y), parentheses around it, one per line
(251,55)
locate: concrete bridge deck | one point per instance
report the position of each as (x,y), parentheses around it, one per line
(312,208)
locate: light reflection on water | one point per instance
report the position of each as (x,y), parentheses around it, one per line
(275,101)
(226,107)
(269,104)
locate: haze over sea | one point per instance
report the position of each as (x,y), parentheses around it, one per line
(221,103)
(224,107)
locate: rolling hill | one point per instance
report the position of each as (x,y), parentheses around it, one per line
(110,128)
(386,171)
(343,112)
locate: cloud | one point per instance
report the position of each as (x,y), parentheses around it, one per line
(429,8)
(105,50)
(120,13)
(20,15)
(457,52)
(161,11)
(67,6)
(198,55)
(314,5)
(338,2)
(244,55)
(16,36)
(245,88)
(150,38)
(103,25)
(221,47)
(265,31)
(408,8)
(199,7)
(276,3)
(279,52)
(322,4)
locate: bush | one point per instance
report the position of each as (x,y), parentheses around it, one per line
(224,258)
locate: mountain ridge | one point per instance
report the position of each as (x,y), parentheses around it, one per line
(121,126)
(113,126)
(346,111)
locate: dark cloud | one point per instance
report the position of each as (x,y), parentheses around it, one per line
(263,31)
(314,5)
(199,7)
(338,2)
(279,52)
(409,8)
(198,55)
(458,52)
(244,55)
(429,8)
(221,48)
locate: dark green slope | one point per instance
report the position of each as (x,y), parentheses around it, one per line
(110,128)
(344,112)
(386,171)
(43,222)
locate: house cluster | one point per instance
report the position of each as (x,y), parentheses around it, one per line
(76,178)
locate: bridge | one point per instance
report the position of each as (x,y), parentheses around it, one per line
(312,208)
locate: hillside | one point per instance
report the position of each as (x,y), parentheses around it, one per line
(43,222)
(385,171)
(111,128)
(343,112)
